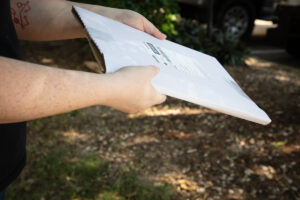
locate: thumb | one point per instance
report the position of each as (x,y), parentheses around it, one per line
(159,98)
(154,70)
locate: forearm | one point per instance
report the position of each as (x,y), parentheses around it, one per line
(105,11)
(29,91)
(44,20)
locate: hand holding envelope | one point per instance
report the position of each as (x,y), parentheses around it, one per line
(184,73)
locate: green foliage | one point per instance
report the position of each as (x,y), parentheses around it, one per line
(162,13)
(223,46)
(165,15)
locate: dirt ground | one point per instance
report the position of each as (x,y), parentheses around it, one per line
(204,154)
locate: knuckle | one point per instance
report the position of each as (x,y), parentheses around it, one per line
(156,69)
(163,98)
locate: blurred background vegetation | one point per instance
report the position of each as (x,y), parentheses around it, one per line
(165,14)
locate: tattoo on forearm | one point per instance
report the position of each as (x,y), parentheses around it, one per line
(20,17)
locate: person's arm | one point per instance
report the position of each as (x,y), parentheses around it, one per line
(29,91)
(45,20)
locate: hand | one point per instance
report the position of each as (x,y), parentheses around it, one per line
(132,90)
(139,22)
(135,20)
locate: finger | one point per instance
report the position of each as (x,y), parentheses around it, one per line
(158,98)
(153,70)
(162,98)
(152,30)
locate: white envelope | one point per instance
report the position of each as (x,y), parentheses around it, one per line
(184,73)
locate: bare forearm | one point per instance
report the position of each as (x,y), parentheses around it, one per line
(29,91)
(44,20)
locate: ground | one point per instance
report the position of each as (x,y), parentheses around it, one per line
(198,153)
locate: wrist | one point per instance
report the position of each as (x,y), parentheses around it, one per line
(106,90)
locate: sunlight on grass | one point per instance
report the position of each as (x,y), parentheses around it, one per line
(266,171)
(141,140)
(55,171)
(282,78)
(47,60)
(236,193)
(73,136)
(182,183)
(279,143)
(109,196)
(166,110)
(254,62)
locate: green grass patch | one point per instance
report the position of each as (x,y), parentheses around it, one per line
(55,170)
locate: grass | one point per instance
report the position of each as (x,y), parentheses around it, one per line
(55,170)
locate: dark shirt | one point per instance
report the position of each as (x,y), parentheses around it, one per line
(12,136)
